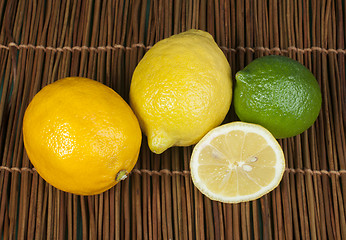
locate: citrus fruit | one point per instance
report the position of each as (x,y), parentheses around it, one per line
(181,89)
(278,93)
(81,136)
(237,162)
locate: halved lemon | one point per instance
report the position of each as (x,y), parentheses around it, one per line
(237,162)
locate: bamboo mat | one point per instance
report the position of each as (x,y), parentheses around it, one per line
(42,41)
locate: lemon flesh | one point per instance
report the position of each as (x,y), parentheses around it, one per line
(278,93)
(81,136)
(181,89)
(237,162)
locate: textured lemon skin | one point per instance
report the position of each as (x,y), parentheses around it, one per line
(181,89)
(79,134)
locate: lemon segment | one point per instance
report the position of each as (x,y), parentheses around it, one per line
(237,162)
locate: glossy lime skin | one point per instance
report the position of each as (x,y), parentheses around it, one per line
(278,93)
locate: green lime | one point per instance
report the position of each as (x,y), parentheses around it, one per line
(278,93)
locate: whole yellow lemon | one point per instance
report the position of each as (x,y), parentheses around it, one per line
(181,89)
(81,136)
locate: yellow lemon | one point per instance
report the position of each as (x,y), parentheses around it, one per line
(181,89)
(237,162)
(81,136)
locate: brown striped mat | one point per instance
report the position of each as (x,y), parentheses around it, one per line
(42,41)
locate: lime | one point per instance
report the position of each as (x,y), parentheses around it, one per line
(278,93)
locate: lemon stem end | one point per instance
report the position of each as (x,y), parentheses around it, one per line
(121,175)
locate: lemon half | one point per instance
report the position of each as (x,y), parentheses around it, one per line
(237,162)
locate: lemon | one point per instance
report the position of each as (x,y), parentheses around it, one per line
(181,89)
(278,93)
(237,162)
(81,136)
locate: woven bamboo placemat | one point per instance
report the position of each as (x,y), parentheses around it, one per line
(42,41)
